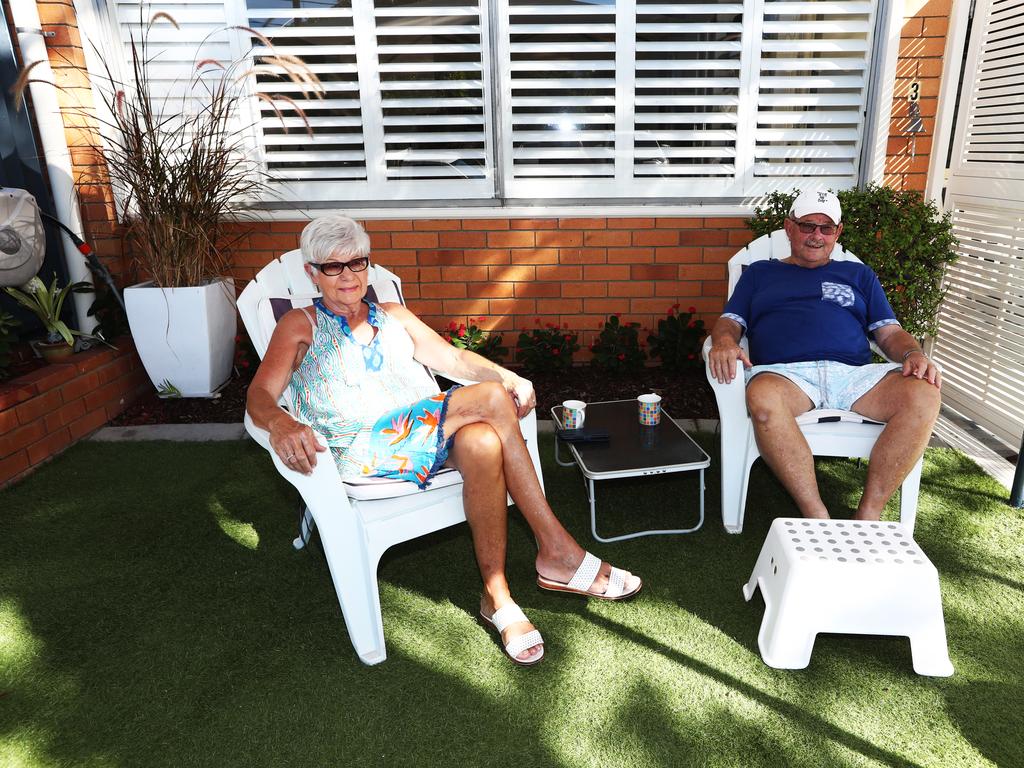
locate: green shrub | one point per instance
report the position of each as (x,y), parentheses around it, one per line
(547,349)
(475,339)
(678,339)
(617,348)
(904,238)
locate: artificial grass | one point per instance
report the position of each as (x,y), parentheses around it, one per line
(153,613)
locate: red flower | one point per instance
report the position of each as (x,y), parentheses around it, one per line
(555,351)
(567,337)
(550,326)
(676,305)
(565,325)
(692,324)
(462,330)
(452,326)
(245,363)
(669,315)
(621,356)
(616,314)
(238,338)
(691,310)
(536,321)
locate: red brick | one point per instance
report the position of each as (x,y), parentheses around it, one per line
(414,240)
(677,288)
(677,255)
(935,26)
(702,272)
(443,290)
(37,407)
(559,306)
(653,272)
(487,256)
(424,307)
(462,239)
(630,223)
(88,424)
(630,288)
(79,386)
(114,370)
(465,306)
(8,421)
(432,258)
(64,414)
(576,290)
(22,437)
(587,223)
(387,225)
(12,466)
(656,237)
(560,272)
(49,446)
(493,290)
(740,237)
(513,307)
(630,255)
(536,290)
(606,272)
(718,255)
(379,240)
(519,239)
(602,306)
(583,256)
(559,239)
(100,395)
(464,274)
(391,258)
(534,223)
(616,237)
(705,237)
(47,377)
(535,256)
(437,224)
(516,274)
(485,224)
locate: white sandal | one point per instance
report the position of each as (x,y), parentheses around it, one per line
(505,617)
(584,578)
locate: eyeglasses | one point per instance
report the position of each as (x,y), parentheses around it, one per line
(335,268)
(808,227)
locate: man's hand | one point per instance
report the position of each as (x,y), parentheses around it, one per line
(920,366)
(722,359)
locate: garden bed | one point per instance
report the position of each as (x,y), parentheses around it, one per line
(685,395)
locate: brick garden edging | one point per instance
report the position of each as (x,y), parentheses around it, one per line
(49,409)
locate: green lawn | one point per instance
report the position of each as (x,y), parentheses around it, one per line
(153,613)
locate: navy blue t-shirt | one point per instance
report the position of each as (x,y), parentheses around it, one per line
(795,314)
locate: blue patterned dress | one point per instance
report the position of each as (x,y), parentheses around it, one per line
(379,410)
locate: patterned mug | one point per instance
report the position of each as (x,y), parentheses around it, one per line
(573,414)
(650,409)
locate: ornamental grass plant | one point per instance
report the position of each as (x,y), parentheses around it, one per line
(177,155)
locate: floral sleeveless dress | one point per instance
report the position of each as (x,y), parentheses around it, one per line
(379,410)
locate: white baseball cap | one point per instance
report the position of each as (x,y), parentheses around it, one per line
(807,203)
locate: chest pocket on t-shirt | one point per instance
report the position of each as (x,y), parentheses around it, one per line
(838,292)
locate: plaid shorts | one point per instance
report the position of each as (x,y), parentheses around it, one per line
(829,384)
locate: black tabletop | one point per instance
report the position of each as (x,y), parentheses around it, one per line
(632,446)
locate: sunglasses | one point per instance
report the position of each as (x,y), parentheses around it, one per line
(808,227)
(335,268)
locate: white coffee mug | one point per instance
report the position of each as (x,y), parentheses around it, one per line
(650,409)
(573,414)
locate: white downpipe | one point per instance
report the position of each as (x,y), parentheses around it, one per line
(55,147)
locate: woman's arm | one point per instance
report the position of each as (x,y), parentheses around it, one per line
(436,353)
(295,443)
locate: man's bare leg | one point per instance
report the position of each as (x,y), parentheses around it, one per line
(909,406)
(774,403)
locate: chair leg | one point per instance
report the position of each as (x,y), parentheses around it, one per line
(908,496)
(354,573)
(735,472)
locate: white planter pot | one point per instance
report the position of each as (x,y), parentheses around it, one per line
(185,336)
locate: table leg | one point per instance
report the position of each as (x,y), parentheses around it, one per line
(593,518)
(558,455)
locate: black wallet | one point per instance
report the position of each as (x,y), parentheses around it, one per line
(582,435)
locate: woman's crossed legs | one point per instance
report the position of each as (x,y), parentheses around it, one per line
(490,453)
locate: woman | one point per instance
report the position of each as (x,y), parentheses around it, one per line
(355,372)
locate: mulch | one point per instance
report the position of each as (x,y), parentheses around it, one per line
(684,395)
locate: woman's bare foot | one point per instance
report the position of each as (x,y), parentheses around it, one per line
(562,567)
(489,606)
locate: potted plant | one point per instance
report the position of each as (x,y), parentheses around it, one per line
(46,302)
(180,167)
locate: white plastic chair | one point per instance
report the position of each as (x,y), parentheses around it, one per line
(358,521)
(828,432)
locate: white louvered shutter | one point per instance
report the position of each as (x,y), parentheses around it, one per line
(811,93)
(406,111)
(981,323)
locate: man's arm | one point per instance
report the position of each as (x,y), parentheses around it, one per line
(899,345)
(726,350)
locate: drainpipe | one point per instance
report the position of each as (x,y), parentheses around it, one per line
(55,147)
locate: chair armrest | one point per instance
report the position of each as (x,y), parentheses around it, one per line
(731,398)
(323,480)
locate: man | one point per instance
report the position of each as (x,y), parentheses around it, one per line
(807,319)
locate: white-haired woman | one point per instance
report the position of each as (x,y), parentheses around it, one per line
(354,369)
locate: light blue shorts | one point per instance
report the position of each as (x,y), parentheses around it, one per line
(829,384)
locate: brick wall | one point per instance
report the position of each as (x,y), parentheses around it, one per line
(568,271)
(45,411)
(922,45)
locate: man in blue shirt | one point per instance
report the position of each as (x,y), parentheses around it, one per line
(807,319)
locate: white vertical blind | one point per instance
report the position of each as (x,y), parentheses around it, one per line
(604,99)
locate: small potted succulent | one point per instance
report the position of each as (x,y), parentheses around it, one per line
(46,302)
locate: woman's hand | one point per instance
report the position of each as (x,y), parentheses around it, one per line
(522,394)
(294,443)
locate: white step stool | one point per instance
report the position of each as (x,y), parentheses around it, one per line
(846,576)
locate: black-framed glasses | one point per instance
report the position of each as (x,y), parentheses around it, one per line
(808,227)
(335,268)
